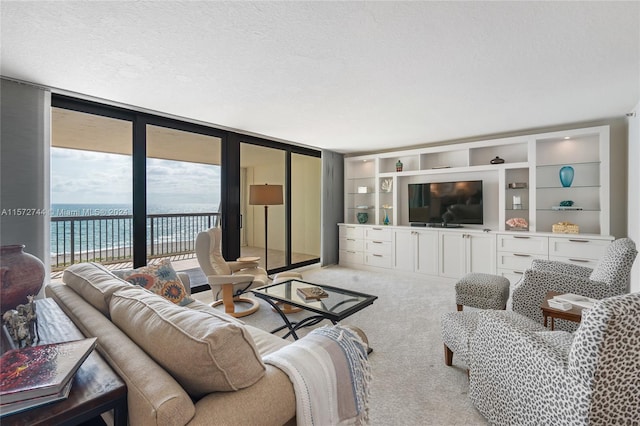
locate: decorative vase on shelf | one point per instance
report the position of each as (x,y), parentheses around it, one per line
(566,176)
(21,275)
(386,218)
(362,217)
(497,160)
(399,166)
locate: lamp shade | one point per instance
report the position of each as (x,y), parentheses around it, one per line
(265,195)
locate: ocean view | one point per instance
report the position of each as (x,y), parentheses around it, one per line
(99,231)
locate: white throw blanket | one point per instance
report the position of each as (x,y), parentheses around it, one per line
(330,373)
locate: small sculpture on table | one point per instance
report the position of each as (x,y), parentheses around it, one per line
(21,323)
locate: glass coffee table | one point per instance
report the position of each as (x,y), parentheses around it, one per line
(335,304)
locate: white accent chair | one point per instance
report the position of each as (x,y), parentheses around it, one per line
(231,279)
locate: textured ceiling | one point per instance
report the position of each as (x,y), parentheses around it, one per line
(345,76)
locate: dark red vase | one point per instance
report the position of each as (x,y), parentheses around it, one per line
(21,275)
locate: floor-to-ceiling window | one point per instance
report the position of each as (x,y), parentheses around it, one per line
(259,167)
(91,188)
(292,236)
(306,218)
(183,182)
(180,178)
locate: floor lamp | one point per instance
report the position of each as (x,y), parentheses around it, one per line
(265,195)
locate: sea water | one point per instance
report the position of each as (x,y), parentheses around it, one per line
(104,227)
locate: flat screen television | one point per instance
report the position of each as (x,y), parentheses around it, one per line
(446,202)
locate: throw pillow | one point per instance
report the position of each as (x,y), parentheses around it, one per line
(161,279)
(204,353)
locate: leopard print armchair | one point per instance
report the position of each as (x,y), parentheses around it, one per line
(609,278)
(524,377)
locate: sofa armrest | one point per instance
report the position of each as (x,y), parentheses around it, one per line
(561,268)
(153,396)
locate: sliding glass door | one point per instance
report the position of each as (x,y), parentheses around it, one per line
(283,231)
(306,218)
(183,181)
(263,222)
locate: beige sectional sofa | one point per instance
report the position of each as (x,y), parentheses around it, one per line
(167,381)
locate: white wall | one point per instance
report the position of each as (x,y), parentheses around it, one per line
(24,171)
(633,194)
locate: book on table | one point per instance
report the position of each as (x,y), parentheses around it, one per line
(35,375)
(309,293)
(17,406)
(576,299)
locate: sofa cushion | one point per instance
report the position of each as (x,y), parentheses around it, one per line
(94,283)
(204,353)
(161,279)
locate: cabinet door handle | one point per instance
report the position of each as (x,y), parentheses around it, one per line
(521,237)
(579,260)
(376,242)
(579,241)
(376,255)
(521,255)
(352,252)
(377,229)
(351,227)
(351,239)
(518,272)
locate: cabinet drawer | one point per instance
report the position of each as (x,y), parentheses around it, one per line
(379,260)
(589,263)
(378,247)
(516,261)
(523,244)
(347,231)
(351,244)
(577,248)
(378,234)
(353,257)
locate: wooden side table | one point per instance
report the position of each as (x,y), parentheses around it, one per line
(96,387)
(574,314)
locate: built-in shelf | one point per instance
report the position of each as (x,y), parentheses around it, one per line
(533,160)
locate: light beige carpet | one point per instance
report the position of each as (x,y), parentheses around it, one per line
(411,385)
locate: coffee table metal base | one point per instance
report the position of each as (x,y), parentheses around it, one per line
(294,325)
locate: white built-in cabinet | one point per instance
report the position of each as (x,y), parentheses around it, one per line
(376,231)
(530,174)
(454,253)
(415,251)
(465,252)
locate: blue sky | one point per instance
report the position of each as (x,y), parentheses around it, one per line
(88,177)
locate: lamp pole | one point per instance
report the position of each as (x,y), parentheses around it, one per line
(266,246)
(266,195)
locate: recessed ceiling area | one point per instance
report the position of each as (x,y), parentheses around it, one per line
(345,76)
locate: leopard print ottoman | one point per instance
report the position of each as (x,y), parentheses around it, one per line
(484,291)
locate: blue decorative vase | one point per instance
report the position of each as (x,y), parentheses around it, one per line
(386,218)
(566,176)
(363,217)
